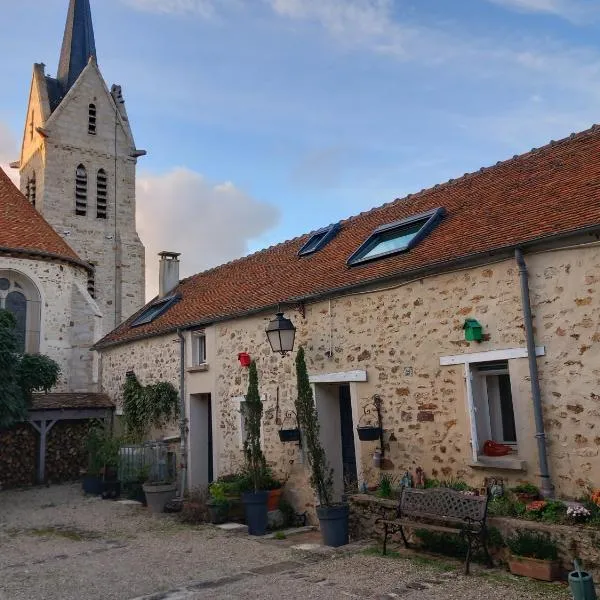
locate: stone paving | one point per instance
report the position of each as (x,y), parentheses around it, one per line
(58,545)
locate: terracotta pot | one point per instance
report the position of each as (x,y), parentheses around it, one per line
(274,498)
(544,570)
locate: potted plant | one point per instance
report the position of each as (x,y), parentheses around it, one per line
(368,433)
(111,486)
(289,435)
(275,489)
(160,486)
(533,554)
(255,501)
(526,492)
(218,506)
(333,517)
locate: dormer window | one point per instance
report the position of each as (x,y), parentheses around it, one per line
(81,191)
(319,240)
(92,119)
(157,308)
(396,237)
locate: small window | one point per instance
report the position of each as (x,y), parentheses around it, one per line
(153,311)
(101,194)
(31,189)
(400,236)
(199,348)
(493,403)
(91,284)
(92,119)
(319,239)
(81,191)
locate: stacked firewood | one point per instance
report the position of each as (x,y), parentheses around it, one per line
(18,455)
(66,455)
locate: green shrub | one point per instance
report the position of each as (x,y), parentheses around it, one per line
(526,488)
(502,506)
(442,543)
(555,511)
(289,514)
(386,484)
(532,544)
(217,493)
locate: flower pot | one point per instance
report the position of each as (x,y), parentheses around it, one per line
(289,435)
(368,434)
(334,524)
(255,505)
(526,497)
(92,484)
(217,512)
(158,495)
(111,489)
(273,499)
(236,508)
(544,570)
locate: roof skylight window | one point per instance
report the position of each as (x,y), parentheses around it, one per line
(319,239)
(156,309)
(397,237)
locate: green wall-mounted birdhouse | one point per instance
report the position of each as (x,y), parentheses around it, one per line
(473,330)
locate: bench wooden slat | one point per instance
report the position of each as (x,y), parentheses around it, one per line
(418,525)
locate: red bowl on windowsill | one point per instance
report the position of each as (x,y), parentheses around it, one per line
(491,448)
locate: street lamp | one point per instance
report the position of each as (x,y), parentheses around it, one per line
(281,333)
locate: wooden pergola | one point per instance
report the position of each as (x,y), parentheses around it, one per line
(48,409)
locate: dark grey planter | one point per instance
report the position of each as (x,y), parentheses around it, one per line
(217,512)
(255,505)
(334,524)
(289,435)
(368,434)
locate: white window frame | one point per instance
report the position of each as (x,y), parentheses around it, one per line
(197,359)
(479,357)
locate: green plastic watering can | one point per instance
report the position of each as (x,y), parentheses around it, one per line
(581,584)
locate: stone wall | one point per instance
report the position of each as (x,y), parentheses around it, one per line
(397,337)
(69,319)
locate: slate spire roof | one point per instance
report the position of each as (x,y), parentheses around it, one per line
(78,43)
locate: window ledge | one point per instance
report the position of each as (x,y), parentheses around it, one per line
(198,368)
(505,463)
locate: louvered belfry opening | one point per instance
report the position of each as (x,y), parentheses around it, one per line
(101,194)
(92,119)
(81,191)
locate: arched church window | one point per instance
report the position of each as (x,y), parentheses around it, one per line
(31,189)
(92,119)
(101,194)
(81,191)
(16,303)
(20,297)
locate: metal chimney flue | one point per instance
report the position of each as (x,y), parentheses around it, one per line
(168,273)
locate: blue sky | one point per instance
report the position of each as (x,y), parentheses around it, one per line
(264,119)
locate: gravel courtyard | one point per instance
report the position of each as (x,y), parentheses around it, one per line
(57,544)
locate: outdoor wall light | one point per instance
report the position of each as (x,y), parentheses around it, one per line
(281,334)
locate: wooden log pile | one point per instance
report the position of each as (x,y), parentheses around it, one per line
(66,455)
(18,456)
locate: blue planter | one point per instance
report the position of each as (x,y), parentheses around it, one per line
(92,484)
(334,524)
(255,504)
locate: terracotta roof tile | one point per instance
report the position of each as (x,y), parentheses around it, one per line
(58,401)
(24,230)
(549,191)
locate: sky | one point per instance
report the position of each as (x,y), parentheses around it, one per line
(266,119)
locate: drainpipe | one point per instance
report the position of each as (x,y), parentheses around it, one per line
(182,417)
(547,489)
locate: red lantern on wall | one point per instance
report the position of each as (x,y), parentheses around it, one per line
(244,359)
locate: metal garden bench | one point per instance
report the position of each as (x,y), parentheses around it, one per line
(443,510)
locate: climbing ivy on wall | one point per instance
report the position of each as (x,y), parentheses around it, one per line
(149,406)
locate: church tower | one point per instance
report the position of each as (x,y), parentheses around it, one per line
(77,167)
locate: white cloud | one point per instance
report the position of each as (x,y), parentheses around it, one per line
(204,8)
(180,211)
(8,152)
(573,10)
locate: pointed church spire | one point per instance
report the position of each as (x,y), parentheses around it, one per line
(78,43)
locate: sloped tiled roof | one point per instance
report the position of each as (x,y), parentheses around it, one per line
(24,231)
(547,192)
(70,401)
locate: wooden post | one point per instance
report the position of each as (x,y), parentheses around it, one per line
(43,427)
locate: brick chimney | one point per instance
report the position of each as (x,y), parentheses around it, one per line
(168,274)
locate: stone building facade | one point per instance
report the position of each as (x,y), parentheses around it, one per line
(77,167)
(395,327)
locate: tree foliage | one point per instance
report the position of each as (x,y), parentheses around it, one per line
(321,478)
(145,407)
(20,374)
(253,411)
